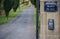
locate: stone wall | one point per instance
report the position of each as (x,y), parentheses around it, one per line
(45,33)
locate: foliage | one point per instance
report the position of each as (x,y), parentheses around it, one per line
(12,14)
(33,2)
(9,4)
(16,5)
(0,1)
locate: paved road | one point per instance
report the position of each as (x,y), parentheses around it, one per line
(21,27)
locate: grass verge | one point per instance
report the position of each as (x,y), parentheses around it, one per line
(12,14)
(38,21)
(34,15)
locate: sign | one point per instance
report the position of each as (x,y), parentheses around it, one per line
(50,6)
(51,24)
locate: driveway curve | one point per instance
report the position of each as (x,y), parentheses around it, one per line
(20,27)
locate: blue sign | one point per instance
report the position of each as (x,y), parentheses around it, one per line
(50,6)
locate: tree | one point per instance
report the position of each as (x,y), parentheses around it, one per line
(33,2)
(0,1)
(16,5)
(9,4)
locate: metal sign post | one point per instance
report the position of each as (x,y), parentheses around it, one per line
(37,17)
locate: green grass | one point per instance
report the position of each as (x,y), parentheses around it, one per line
(12,14)
(34,15)
(35,22)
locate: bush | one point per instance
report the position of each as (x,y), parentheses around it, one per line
(33,2)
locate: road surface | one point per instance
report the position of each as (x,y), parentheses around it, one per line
(20,27)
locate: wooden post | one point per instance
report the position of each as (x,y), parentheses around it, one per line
(45,33)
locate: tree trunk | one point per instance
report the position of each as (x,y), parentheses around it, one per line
(0,12)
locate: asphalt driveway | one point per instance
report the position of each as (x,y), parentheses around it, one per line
(20,27)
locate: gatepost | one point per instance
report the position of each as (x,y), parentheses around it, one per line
(49,19)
